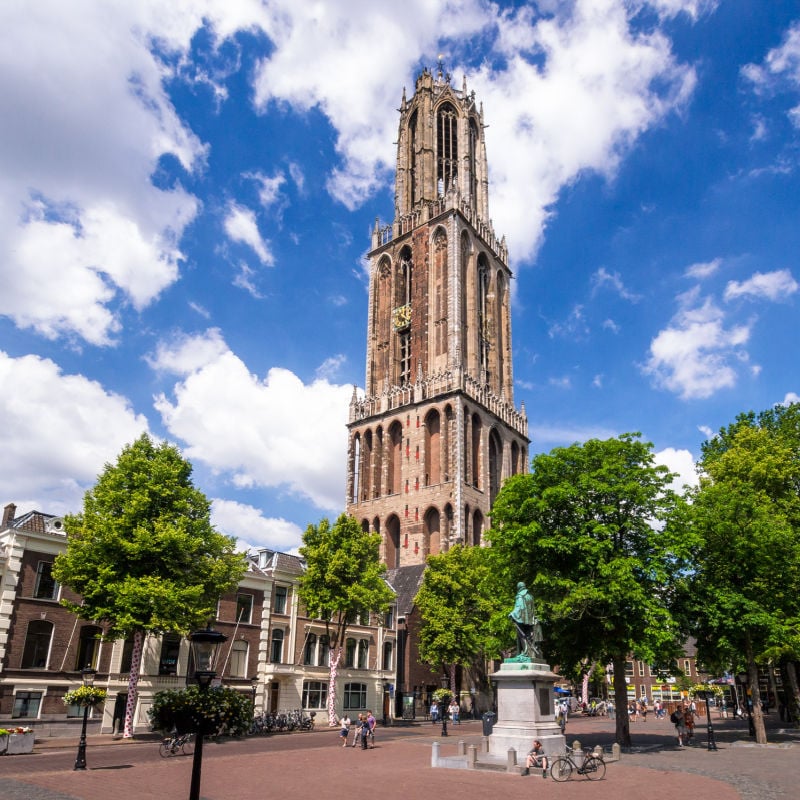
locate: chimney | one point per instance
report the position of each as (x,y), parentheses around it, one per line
(9,513)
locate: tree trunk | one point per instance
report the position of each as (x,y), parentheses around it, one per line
(133,683)
(793,691)
(623,727)
(755,698)
(336,657)
(585,686)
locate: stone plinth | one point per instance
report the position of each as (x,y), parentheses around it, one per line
(525,710)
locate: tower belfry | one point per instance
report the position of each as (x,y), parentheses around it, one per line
(437,432)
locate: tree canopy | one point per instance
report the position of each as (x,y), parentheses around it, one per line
(744,520)
(344,577)
(463,617)
(583,531)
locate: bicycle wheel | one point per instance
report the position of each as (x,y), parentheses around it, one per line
(166,748)
(594,768)
(188,745)
(561,770)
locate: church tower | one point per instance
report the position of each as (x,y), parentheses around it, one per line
(437,432)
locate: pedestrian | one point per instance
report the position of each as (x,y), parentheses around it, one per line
(371,722)
(357,729)
(344,731)
(688,716)
(643,709)
(536,758)
(678,720)
(454,712)
(434,712)
(365,731)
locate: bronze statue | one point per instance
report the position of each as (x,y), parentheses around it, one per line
(529,630)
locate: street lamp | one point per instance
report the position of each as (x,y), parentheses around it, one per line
(205,645)
(705,694)
(444,708)
(87,676)
(254,684)
(747,702)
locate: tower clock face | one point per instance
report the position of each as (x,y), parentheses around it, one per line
(401,317)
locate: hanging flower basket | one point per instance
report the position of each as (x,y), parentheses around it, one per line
(192,711)
(85,696)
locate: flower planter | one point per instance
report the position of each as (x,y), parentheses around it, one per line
(16,743)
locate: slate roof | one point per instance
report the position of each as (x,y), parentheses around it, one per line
(406,582)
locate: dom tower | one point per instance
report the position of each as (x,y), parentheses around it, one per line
(437,431)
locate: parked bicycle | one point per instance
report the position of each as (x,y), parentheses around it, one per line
(593,767)
(176,745)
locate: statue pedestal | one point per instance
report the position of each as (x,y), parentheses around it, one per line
(525,710)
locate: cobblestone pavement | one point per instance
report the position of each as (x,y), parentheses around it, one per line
(399,768)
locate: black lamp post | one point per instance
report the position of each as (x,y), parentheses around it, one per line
(704,694)
(444,708)
(747,701)
(204,649)
(88,680)
(254,684)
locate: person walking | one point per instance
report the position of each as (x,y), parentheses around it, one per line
(454,712)
(344,730)
(434,712)
(357,729)
(688,717)
(371,722)
(678,719)
(365,731)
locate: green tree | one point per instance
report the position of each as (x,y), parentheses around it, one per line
(344,578)
(745,517)
(143,555)
(582,530)
(463,618)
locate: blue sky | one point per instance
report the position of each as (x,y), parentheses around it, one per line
(187,191)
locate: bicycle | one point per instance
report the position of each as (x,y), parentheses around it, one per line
(182,744)
(593,767)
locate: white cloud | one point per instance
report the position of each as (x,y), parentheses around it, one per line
(275,432)
(789,398)
(269,187)
(597,381)
(576,90)
(610,325)
(331,366)
(703,269)
(252,529)
(706,431)
(692,356)
(602,278)
(58,432)
(241,226)
(769,285)
(573,327)
(680,462)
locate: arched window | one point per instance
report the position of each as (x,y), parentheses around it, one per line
(477,528)
(412,159)
(356,467)
(37,644)
(392,543)
(484,323)
(432,532)
(515,459)
(310,649)
(446,148)
(395,474)
(238,659)
(433,450)
(276,649)
(477,427)
(495,464)
(402,316)
(88,647)
(437,311)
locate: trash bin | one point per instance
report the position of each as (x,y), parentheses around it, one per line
(489,719)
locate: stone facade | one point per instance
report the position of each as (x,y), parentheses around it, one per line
(437,432)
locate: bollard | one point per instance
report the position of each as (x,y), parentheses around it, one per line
(435,755)
(484,744)
(472,756)
(616,751)
(462,747)
(576,745)
(511,760)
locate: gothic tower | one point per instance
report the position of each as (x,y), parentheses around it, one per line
(437,431)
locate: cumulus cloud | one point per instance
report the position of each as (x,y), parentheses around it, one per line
(767,285)
(703,269)
(252,529)
(682,464)
(271,432)
(692,356)
(58,432)
(789,398)
(567,91)
(241,226)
